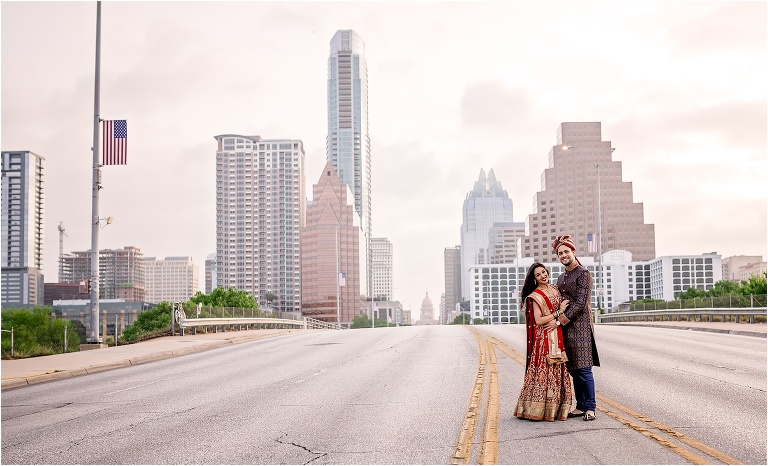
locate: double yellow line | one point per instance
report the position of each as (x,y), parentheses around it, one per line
(489,445)
(489,442)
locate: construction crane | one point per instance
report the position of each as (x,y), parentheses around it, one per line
(62,234)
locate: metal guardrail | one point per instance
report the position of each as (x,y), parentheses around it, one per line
(180,318)
(735,313)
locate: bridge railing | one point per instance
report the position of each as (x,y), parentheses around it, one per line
(727,302)
(242,321)
(735,314)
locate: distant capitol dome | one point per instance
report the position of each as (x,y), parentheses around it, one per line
(427,309)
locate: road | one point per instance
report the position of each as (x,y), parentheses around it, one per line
(408,395)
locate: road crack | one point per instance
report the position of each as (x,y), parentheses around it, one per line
(318,454)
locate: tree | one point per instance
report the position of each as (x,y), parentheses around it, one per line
(756,285)
(724,288)
(461,319)
(269,297)
(361,321)
(225,298)
(691,293)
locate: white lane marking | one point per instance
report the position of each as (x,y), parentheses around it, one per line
(137,386)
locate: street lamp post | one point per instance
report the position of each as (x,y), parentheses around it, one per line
(599,232)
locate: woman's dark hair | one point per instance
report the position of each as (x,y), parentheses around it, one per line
(530,282)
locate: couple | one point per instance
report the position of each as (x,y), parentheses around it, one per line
(560,335)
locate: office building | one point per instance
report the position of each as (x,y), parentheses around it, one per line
(173,279)
(497,286)
(487,204)
(23,224)
(740,268)
(503,242)
(382,263)
(260,209)
(330,262)
(348,145)
(121,272)
(210,273)
(452,273)
(567,202)
(64,291)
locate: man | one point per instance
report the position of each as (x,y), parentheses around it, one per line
(576,285)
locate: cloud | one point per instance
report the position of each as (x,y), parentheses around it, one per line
(494,105)
(728,27)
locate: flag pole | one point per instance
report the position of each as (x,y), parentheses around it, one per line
(93,336)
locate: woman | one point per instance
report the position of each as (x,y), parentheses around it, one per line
(547,391)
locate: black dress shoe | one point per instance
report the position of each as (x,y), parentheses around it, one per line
(575,414)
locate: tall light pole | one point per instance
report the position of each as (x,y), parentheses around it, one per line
(93,334)
(338,297)
(599,231)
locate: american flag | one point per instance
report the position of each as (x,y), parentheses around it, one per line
(115,143)
(591,245)
(342,279)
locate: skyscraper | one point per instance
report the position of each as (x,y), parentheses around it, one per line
(567,202)
(260,209)
(22,227)
(452,263)
(348,146)
(330,244)
(486,204)
(382,264)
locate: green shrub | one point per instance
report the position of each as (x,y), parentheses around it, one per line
(150,323)
(36,333)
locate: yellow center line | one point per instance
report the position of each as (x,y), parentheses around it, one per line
(720,456)
(463,451)
(685,453)
(489,453)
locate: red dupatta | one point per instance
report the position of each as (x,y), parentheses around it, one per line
(531,327)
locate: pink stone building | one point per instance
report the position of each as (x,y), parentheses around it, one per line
(330,242)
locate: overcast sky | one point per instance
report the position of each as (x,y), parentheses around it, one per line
(454,87)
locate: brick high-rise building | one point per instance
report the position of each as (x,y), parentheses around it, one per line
(260,209)
(330,243)
(567,202)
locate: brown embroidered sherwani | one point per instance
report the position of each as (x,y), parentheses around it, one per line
(578,336)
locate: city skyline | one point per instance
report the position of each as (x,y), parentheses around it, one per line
(678,87)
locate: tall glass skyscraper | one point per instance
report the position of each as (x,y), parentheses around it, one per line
(348,146)
(486,204)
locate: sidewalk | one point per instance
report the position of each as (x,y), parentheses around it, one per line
(733,328)
(21,372)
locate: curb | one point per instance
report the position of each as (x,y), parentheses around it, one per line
(24,380)
(696,329)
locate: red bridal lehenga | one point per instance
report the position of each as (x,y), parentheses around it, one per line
(547,391)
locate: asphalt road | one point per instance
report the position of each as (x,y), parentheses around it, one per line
(396,396)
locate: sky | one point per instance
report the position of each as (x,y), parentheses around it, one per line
(454,87)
